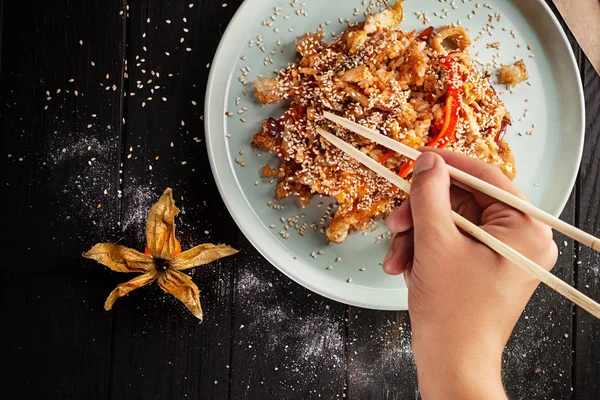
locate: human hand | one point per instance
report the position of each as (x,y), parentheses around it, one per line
(463,298)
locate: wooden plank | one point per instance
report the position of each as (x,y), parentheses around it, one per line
(380,363)
(288,342)
(59,337)
(537,360)
(160,349)
(586,360)
(587,328)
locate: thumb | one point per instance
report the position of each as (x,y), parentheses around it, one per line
(430,199)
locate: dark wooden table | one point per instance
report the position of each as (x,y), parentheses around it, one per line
(82,161)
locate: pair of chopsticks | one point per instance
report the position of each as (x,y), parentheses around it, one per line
(498,246)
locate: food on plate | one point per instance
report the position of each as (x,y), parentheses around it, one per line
(512,75)
(419,88)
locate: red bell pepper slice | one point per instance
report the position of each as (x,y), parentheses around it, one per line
(426,34)
(452,108)
(406,169)
(386,156)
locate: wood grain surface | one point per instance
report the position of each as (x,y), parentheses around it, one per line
(97,120)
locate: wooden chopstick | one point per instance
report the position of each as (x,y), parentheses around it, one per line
(471,181)
(498,246)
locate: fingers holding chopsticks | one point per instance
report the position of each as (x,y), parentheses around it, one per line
(430,197)
(461,201)
(430,194)
(452,242)
(426,217)
(483,171)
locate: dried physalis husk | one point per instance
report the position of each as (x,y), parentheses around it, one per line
(162,260)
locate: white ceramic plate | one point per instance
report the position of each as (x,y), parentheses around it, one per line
(547,160)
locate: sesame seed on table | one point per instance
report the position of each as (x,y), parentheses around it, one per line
(101,109)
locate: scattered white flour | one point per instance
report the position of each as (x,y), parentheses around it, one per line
(306,336)
(530,358)
(84,193)
(137,201)
(306,342)
(90,147)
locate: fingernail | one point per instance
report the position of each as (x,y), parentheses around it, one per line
(425,162)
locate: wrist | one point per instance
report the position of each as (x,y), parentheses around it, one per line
(461,380)
(459,369)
